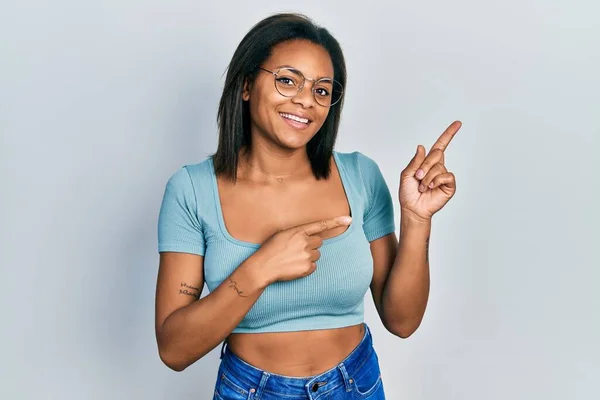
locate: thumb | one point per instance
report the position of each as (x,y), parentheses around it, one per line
(416,161)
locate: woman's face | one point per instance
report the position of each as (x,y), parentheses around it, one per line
(271,114)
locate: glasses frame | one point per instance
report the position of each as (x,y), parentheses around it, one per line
(315,81)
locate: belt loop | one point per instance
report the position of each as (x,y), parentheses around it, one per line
(261,386)
(347,379)
(222,350)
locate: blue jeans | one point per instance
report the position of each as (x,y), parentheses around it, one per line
(356,377)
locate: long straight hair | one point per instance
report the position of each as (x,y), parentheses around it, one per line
(233,116)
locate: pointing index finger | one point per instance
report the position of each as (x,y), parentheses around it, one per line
(445,138)
(320,226)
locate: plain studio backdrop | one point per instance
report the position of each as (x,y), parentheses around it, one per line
(100,102)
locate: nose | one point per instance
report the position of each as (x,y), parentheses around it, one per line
(305,97)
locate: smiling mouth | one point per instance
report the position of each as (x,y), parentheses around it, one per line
(295,119)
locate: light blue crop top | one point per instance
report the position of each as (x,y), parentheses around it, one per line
(191,221)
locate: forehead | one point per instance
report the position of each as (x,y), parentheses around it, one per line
(309,58)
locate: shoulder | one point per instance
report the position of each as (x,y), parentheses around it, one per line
(191,176)
(359,164)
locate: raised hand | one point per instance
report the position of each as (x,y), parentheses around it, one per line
(425,184)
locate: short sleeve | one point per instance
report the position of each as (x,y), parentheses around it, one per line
(378,218)
(179,227)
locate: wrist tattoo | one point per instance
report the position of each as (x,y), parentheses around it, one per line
(427,249)
(233,285)
(189,290)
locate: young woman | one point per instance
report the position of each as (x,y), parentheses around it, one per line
(289,234)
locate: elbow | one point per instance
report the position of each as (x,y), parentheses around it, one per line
(404,334)
(171,361)
(401,333)
(169,355)
(175,356)
(402,330)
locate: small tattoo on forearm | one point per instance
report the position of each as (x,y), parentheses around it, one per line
(187,292)
(193,291)
(233,285)
(427,249)
(183,284)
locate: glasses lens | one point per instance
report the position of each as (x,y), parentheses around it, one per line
(288,82)
(328,92)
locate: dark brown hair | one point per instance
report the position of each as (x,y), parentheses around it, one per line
(234,115)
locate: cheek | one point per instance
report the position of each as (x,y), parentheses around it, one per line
(258,107)
(264,106)
(320,118)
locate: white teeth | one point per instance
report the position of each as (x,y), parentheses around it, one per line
(294,117)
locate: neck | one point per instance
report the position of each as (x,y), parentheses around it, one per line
(259,164)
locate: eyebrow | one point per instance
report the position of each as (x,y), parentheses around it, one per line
(296,69)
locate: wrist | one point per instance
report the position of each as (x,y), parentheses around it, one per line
(411,219)
(255,272)
(414,230)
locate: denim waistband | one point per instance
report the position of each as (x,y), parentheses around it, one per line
(264,381)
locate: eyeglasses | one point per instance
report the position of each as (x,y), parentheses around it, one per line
(289,82)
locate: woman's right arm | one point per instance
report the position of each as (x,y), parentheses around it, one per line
(188,328)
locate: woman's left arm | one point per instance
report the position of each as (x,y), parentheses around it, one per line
(400,285)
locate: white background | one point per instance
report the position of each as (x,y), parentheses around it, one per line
(100,102)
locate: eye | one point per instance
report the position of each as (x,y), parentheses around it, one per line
(286,81)
(323,92)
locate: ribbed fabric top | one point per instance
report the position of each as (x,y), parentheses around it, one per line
(191,221)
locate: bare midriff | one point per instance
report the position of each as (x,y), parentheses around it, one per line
(296,354)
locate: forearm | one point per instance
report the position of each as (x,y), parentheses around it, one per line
(407,288)
(192,331)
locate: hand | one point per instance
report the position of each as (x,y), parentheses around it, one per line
(292,253)
(425,184)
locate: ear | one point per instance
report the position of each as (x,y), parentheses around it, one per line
(246,90)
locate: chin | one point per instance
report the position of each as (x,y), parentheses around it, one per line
(295,140)
(293,144)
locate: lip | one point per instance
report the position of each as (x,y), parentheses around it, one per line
(295,124)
